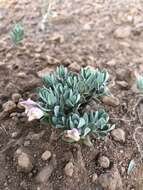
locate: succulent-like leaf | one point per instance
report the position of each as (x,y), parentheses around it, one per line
(81,122)
(86,132)
(131,166)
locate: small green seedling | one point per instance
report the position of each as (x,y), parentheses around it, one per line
(140,83)
(17,34)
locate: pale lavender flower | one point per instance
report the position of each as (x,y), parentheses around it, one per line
(28,104)
(73,134)
(34,113)
(32,110)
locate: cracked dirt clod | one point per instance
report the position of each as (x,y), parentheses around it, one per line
(46,172)
(111,180)
(110,101)
(24,161)
(9,106)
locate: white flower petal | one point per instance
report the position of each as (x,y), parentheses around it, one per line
(35,113)
(73,134)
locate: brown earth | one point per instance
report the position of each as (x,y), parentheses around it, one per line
(98,33)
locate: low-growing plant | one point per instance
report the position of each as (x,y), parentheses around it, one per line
(61,103)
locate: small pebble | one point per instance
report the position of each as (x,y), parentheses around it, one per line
(57,38)
(118,135)
(94,177)
(16,97)
(9,106)
(74,67)
(24,161)
(46,155)
(69,169)
(15,134)
(122,32)
(110,101)
(104,162)
(111,62)
(26,143)
(45,71)
(123,170)
(123,84)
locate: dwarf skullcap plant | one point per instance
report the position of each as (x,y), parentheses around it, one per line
(63,94)
(62,99)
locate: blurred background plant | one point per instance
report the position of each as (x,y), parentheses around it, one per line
(140,83)
(47,10)
(17,33)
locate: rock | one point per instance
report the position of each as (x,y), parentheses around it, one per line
(110,101)
(74,67)
(19,106)
(15,134)
(2,14)
(104,162)
(135,89)
(100,36)
(11,88)
(45,173)
(13,114)
(121,74)
(87,26)
(52,60)
(3,66)
(122,32)
(118,135)
(112,62)
(94,177)
(111,180)
(24,161)
(29,84)
(126,75)
(124,44)
(123,170)
(16,97)
(46,155)
(39,49)
(9,106)
(23,185)
(45,71)
(57,38)
(69,169)
(123,84)
(62,19)
(26,143)
(35,136)
(21,75)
